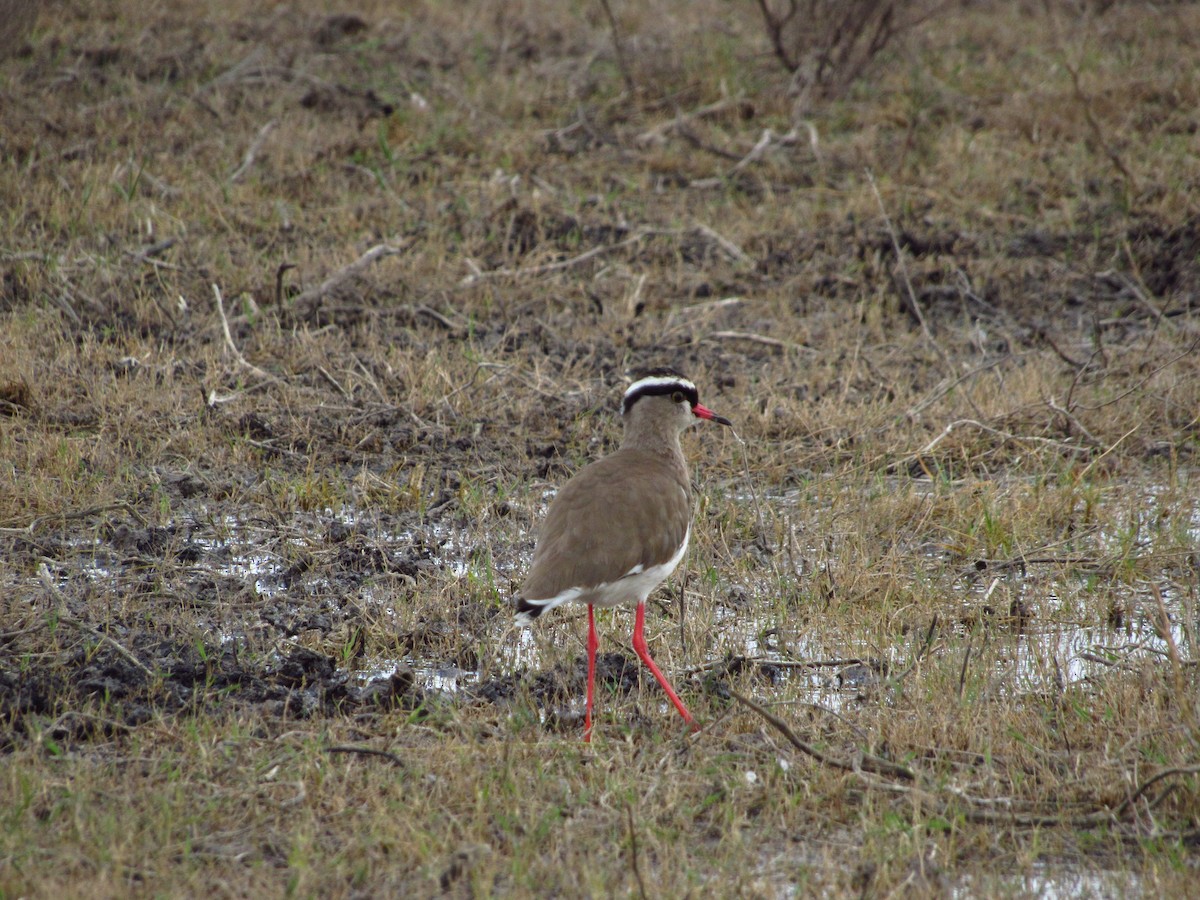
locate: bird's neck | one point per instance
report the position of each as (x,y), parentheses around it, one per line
(651,438)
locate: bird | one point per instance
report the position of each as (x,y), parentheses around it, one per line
(620,526)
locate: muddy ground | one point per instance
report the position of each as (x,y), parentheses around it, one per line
(243,476)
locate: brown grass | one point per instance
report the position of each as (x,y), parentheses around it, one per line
(953,315)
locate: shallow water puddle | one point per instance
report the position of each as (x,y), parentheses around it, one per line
(1035,627)
(1055,647)
(1043,880)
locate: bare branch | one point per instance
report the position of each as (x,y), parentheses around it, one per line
(252,152)
(237,354)
(306,301)
(68,619)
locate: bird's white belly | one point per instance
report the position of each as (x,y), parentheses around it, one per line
(635,586)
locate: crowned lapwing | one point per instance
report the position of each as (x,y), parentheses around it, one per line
(620,526)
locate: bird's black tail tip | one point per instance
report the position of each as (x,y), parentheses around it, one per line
(526,611)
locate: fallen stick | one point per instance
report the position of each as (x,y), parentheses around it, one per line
(865,763)
(658,132)
(306,300)
(755,339)
(1005,435)
(67,618)
(261,373)
(976,809)
(369,751)
(252,152)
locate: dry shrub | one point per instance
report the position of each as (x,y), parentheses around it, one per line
(828,44)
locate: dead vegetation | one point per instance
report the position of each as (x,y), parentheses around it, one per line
(301,315)
(828,46)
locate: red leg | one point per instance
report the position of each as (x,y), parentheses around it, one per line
(593,643)
(639,646)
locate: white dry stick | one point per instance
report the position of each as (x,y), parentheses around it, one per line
(814,140)
(261,373)
(1005,435)
(768,139)
(1164,625)
(252,152)
(1070,417)
(658,132)
(310,297)
(756,151)
(756,339)
(1083,474)
(732,249)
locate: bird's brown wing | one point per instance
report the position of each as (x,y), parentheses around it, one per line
(629,509)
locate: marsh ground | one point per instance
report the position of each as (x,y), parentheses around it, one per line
(305,309)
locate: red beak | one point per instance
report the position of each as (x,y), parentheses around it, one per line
(705,413)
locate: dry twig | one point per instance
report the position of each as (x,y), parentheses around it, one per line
(78,514)
(756,339)
(865,763)
(978,810)
(68,619)
(829,44)
(1008,436)
(237,354)
(252,152)
(369,751)
(659,132)
(921,653)
(306,301)
(732,249)
(766,141)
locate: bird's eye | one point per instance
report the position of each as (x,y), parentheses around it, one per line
(677,396)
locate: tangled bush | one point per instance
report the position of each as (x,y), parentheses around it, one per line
(828,44)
